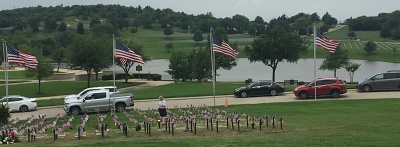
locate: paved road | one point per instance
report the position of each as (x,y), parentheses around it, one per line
(219,100)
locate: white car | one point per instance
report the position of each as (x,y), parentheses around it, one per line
(19,103)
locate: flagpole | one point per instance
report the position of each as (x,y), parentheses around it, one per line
(5,66)
(315,72)
(114,71)
(212,63)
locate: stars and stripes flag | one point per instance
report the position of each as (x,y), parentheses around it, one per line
(126,54)
(325,43)
(21,58)
(221,47)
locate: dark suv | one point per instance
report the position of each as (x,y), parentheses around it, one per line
(325,86)
(263,87)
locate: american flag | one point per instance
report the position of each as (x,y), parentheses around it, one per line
(326,43)
(21,58)
(125,54)
(221,47)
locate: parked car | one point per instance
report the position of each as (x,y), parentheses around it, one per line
(382,81)
(19,103)
(324,86)
(98,100)
(111,89)
(263,87)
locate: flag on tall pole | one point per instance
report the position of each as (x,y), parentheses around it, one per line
(21,58)
(221,47)
(325,42)
(126,54)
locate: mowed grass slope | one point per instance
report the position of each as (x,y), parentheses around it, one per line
(306,123)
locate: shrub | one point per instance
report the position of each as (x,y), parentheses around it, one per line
(107,77)
(4,114)
(156,77)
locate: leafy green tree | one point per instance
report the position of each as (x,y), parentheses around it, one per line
(80,29)
(395,33)
(104,29)
(198,36)
(200,62)
(259,20)
(179,66)
(352,34)
(58,55)
(324,28)
(169,47)
(351,68)
(90,52)
(168,31)
(315,17)
(136,23)
(335,61)
(370,47)
(62,27)
(94,22)
(43,70)
(5,114)
(33,24)
(50,25)
(138,49)
(385,32)
(63,39)
(276,46)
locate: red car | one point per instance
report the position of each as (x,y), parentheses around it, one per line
(325,86)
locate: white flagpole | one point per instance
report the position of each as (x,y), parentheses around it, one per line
(5,66)
(315,72)
(212,63)
(114,70)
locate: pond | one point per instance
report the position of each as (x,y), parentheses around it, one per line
(303,70)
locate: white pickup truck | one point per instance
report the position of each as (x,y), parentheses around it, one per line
(98,100)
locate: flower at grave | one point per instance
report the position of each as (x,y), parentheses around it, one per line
(158,120)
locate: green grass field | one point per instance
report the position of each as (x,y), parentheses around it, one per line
(306,123)
(55,88)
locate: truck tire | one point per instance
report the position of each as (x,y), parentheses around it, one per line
(74,110)
(120,107)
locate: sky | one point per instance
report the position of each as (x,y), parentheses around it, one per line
(267,9)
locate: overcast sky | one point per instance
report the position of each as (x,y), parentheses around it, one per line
(267,9)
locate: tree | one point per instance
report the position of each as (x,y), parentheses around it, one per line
(94,22)
(138,49)
(259,20)
(179,66)
(90,52)
(352,35)
(198,36)
(43,70)
(169,47)
(80,29)
(200,63)
(168,31)
(385,32)
(58,55)
(335,61)
(370,47)
(5,114)
(315,17)
(50,25)
(324,28)
(62,27)
(275,46)
(351,68)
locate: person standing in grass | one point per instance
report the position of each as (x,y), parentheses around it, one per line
(162,108)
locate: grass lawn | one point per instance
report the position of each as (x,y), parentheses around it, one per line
(306,123)
(55,88)
(12,75)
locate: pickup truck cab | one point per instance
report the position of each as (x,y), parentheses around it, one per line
(98,100)
(111,89)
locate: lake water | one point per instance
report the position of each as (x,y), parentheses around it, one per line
(303,70)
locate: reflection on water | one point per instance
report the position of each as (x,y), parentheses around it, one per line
(303,70)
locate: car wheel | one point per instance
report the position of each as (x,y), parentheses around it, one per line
(273,92)
(366,88)
(120,107)
(335,94)
(243,94)
(23,108)
(303,95)
(74,110)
